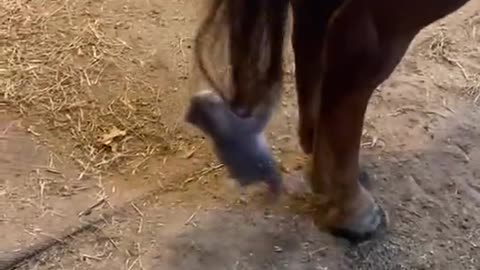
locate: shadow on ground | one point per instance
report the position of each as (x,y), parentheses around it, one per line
(432,200)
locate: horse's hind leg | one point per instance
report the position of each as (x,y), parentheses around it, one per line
(357,59)
(309,28)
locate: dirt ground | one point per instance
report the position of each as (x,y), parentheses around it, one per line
(99,171)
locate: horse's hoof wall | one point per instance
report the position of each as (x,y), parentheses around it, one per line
(370,227)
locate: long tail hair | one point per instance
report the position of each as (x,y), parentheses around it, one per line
(253,31)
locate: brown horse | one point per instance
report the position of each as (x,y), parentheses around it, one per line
(343,50)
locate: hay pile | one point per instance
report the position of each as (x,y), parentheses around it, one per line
(71,81)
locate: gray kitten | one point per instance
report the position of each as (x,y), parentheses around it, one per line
(239,142)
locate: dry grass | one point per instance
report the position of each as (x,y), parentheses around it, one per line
(442,48)
(61,71)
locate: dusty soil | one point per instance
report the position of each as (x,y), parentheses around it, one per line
(103,143)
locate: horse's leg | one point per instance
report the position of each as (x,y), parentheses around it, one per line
(364,46)
(310,20)
(356,60)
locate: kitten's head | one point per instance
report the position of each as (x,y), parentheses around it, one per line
(208,112)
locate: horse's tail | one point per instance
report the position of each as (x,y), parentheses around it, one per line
(254,32)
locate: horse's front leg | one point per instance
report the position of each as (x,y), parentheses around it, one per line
(357,59)
(351,210)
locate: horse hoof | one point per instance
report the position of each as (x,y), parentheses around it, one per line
(366,229)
